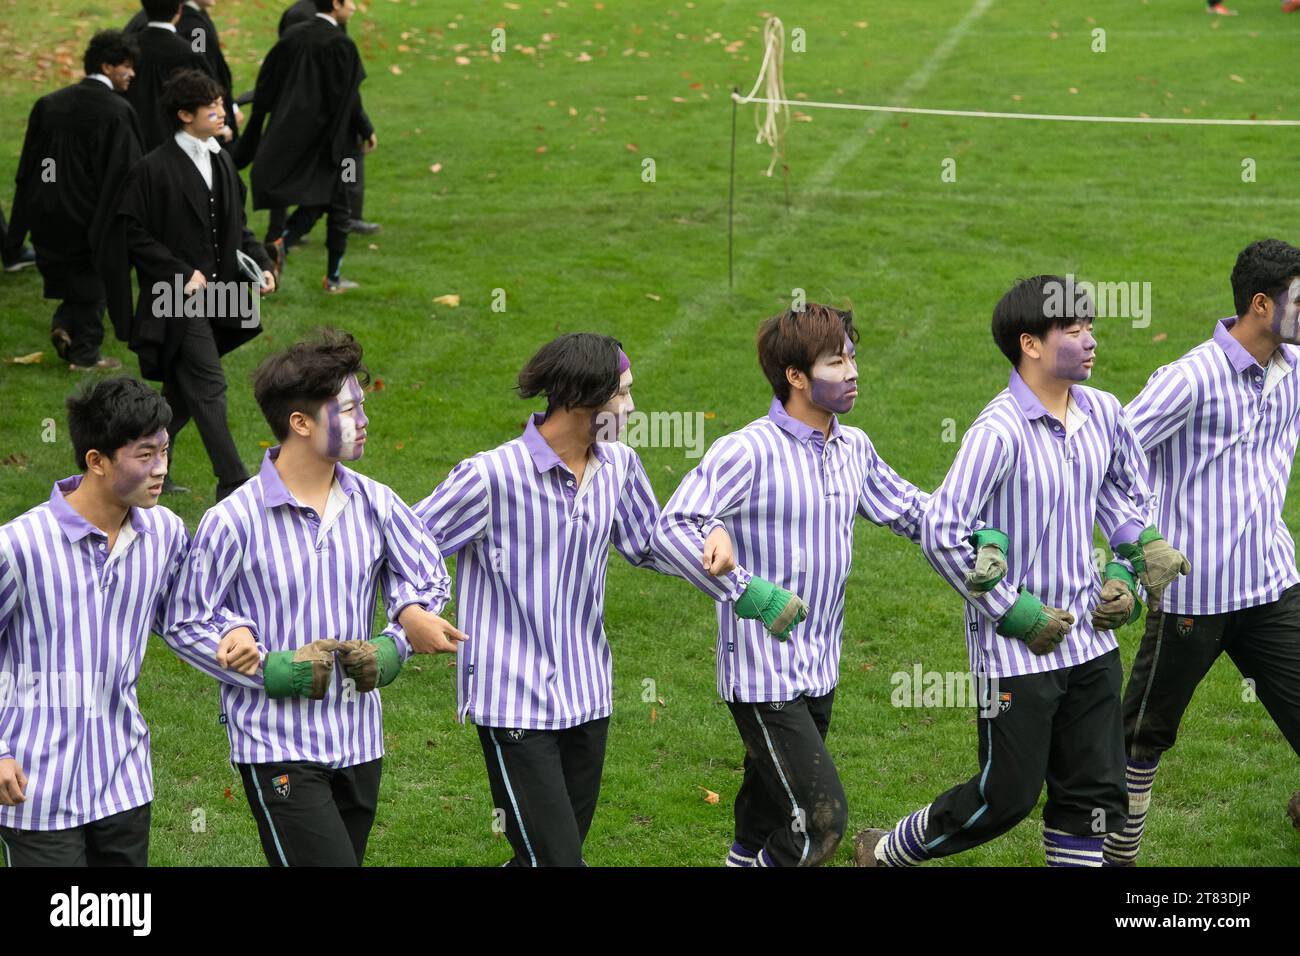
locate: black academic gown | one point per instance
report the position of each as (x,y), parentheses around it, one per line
(301,12)
(80,143)
(310,85)
(195,26)
(163,228)
(161,54)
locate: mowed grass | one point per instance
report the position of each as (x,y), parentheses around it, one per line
(540,194)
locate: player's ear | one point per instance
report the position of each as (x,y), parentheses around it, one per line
(1261,304)
(1031,345)
(797,379)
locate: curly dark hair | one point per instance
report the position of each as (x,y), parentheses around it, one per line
(188,90)
(111,47)
(1266,266)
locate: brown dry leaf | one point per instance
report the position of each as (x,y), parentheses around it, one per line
(1235,78)
(399,445)
(462,61)
(395,70)
(30,359)
(709,796)
(654,715)
(16,460)
(631,147)
(450,299)
(584,57)
(541,149)
(1160,337)
(652,297)
(710,415)
(802,117)
(868,667)
(436,168)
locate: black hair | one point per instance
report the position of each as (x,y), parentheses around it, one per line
(1266,266)
(109,46)
(1035,306)
(160,11)
(188,90)
(305,376)
(577,370)
(113,413)
(324,6)
(795,339)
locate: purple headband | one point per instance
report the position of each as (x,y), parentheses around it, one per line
(623,363)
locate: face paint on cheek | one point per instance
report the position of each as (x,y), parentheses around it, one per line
(835,387)
(345,431)
(1071,353)
(133,476)
(1286,314)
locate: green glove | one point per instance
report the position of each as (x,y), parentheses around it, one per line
(1155,562)
(779,610)
(1039,626)
(1119,603)
(370,664)
(990,560)
(305,672)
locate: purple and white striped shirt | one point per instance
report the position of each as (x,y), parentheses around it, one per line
(262,560)
(531,551)
(788,496)
(74,624)
(1220,433)
(1045,484)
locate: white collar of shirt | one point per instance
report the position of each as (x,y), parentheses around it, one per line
(125,535)
(162,26)
(193,6)
(326,16)
(588,473)
(200,153)
(334,505)
(1074,418)
(1278,370)
(102,78)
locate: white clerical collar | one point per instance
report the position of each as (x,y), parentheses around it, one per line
(195,146)
(326,16)
(193,6)
(161,25)
(102,78)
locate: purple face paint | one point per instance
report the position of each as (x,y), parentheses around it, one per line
(1074,354)
(624,363)
(835,379)
(138,470)
(1286,314)
(345,422)
(611,418)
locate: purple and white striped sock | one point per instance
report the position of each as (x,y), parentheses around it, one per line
(739,856)
(1068,849)
(762,859)
(905,844)
(1122,848)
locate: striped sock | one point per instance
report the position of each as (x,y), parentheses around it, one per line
(1122,848)
(905,844)
(762,859)
(1068,849)
(739,856)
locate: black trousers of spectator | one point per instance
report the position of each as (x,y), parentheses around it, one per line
(84,324)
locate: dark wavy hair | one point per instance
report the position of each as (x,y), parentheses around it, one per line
(577,370)
(1266,266)
(305,376)
(111,47)
(188,90)
(794,339)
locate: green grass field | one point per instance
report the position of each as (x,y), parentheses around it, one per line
(540,194)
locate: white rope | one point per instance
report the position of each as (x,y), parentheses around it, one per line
(771,125)
(776,102)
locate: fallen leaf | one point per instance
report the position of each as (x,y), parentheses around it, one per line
(710,415)
(451,299)
(1160,337)
(652,297)
(16,460)
(1235,78)
(229,795)
(868,667)
(541,149)
(653,715)
(709,796)
(395,70)
(436,168)
(462,61)
(399,445)
(29,359)
(631,147)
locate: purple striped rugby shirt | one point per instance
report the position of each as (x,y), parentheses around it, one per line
(1019,471)
(1220,433)
(531,552)
(787,496)
(262,560)
(74,623)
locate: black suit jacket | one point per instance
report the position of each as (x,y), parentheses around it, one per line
(161,54)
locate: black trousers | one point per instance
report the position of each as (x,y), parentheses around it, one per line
(356,197)
(791,802)
(195,388)
(1062,726)
(1178,650)
(84,324)
(309,814)
(338,215)
(545,785)
(119,840)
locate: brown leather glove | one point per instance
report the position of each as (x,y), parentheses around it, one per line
(1050,631)
(370,664)
(305,672)
(1115,607)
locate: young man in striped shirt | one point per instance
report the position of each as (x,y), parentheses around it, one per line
(530,523)
(1220,427)
(83,579)
(1046,460)
(787,489)
(280,581)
